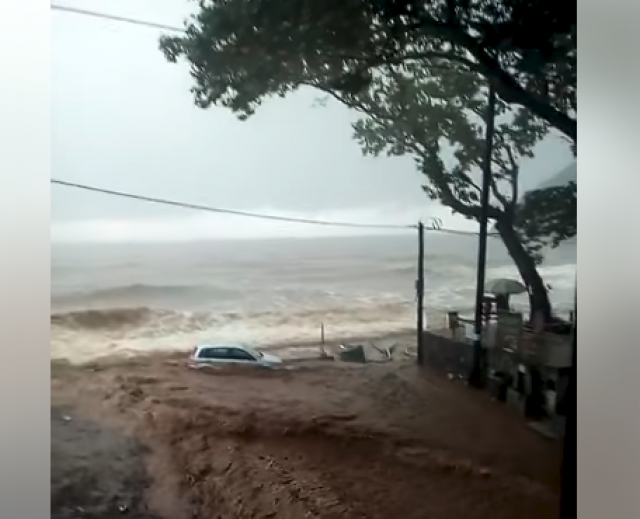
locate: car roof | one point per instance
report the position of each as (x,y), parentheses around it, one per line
(219,345)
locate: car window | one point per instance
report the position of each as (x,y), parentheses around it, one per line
(222,353)
(205,353)
(214,353)
(238,354)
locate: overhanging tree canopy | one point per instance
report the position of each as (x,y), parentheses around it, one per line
(547,217)
(438,118)
(417,70)
(242,51)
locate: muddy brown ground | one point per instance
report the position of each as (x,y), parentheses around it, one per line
(324,440)
(96,471)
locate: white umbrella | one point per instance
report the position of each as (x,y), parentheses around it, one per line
(505,287)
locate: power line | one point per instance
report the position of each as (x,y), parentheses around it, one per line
(95,14)
(115,18)
(434,225)
(228,211)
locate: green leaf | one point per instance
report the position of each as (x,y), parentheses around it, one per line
(241,51)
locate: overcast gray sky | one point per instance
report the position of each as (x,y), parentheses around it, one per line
(123,118)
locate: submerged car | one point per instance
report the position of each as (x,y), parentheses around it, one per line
(211,355)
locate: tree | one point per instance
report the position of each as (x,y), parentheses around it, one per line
(528,47)
(242,51)
(429,115)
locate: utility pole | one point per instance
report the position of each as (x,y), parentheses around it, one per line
(420,294)
(478,375)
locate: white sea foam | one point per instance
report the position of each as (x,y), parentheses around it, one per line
(115,299)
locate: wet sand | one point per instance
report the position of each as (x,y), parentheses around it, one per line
(323,440)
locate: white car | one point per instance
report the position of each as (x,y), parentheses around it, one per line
(205,355)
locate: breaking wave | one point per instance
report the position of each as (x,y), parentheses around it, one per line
(141,292)
(143,320)
(102,319)
(88,334)
(141,298)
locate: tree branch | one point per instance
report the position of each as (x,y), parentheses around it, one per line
(419,56)
(388,59)
(468,180)
(501,198)
(505,84)
(449,199)
(447,196)
(515,173)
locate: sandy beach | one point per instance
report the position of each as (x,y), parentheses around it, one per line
(323,439)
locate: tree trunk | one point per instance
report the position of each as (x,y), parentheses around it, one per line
(538,294)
